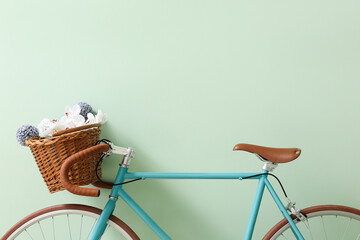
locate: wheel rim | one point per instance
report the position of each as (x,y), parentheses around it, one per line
(327,224)
(67,222)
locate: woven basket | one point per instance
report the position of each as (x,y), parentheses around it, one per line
(50,153)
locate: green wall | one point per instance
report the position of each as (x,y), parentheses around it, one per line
(182,82)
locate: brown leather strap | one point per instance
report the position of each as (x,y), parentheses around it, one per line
(75,129)
(64,172)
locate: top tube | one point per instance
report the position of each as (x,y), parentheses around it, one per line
(160,175)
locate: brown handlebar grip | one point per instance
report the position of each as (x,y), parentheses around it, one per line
(64,171)
(106,185)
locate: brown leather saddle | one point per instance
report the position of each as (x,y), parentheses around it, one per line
(275,155)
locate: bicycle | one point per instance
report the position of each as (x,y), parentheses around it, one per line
(87,222)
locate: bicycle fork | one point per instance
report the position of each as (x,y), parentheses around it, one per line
(101,223)
(116,192)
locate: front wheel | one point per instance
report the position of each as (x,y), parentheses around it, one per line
(321,222)
(68,221)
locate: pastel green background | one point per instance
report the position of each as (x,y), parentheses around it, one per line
(182,82)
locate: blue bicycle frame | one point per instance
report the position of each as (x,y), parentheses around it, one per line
(118,191)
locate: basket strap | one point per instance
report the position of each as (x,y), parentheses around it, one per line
(64,172)
(75,129)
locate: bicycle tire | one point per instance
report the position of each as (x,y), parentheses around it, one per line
(322,222)
(41,224)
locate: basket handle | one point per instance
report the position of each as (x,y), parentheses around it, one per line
(64,171)
(75,129)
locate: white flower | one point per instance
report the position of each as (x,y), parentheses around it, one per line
(48,127)
(78,120)
(71,119)
(67,122)
(98,118)
(45,128)
(72,111)
(90,118)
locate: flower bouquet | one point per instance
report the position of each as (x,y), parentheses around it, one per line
(53,141)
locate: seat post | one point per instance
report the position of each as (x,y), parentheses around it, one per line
(269,166)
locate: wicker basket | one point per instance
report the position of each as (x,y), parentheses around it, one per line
(50,153)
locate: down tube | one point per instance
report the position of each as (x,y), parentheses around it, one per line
(143,215)
(255,207)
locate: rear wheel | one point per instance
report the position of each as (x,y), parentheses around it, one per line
(322,222)
(69,221)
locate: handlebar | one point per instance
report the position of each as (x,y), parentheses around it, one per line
(64,171)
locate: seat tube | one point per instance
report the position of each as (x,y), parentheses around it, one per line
(255,207)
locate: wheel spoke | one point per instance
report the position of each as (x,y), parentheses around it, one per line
(53,224)
(284,237)
(91,229)
(29,234)
(41,231)
(338,224)
(306,222)
(322,220)
(347,229)
(104,231)
(81,223)
(69,226)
